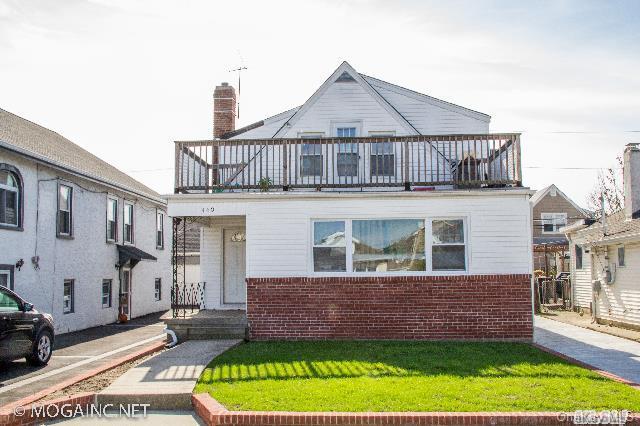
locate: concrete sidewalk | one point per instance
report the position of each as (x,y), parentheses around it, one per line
(609,353)
(166,380)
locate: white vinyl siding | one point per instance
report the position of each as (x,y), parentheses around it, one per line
(620,300)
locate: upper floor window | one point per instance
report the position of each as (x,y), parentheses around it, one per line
(10,197)
(346,132)
(112,219)
(383,159)
(311,159)
(552,222)
(128,223)
(159,229)
(347,159)
(65,210)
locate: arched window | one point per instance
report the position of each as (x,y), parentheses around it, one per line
(10,197)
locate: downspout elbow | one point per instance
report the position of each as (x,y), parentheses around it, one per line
(174,338)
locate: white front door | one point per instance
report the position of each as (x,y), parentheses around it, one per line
(233,284)
(125,293)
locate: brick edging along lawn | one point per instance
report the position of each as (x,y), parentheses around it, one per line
(213,414)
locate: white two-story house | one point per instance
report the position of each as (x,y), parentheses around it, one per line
(370,211)
(78,238)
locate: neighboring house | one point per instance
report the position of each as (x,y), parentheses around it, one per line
(552,210)
(605,256)
(371,211)
(78,238)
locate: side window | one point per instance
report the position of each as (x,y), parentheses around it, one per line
(621,256)
(8,303)
(67,296)
(106,293)
(578,257)
(65,213)
(10,197)
(448,252)
(158,289)
(112,219)
(159,229)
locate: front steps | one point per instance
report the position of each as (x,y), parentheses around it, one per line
(210,324)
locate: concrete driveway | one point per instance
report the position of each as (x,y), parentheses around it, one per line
(78,352)
(609,353)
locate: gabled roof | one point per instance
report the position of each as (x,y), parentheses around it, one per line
(342,73)
(375,87)
(426,98)
(46,146)
(540,194)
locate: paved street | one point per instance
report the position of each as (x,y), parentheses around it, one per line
(77,352)
(610,353)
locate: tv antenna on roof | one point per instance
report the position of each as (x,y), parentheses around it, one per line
(239,71)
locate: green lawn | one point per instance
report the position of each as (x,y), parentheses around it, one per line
(406,376)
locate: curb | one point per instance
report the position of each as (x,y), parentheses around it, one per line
(10,407)
(213,413)
(28,416)
(582,364)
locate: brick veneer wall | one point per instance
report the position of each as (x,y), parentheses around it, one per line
(476,307)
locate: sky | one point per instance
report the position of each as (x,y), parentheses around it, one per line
(124,79)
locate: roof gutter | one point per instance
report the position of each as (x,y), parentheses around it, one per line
(94,179)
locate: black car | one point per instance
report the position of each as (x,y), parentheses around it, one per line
(24,332)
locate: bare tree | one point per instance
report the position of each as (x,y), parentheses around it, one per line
(609,184)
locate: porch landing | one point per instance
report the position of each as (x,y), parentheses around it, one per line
(209,324)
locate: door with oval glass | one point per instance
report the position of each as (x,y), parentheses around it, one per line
(233,268)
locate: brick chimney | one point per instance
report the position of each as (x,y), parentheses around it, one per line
(224,110)
(632,181)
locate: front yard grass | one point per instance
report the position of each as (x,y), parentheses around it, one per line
(406,376)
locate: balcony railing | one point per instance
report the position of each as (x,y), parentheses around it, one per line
(404,162)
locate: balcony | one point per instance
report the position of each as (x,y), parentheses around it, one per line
(392,163)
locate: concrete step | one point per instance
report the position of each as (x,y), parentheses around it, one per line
(204,332)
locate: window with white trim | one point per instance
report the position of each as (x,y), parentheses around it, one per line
(311,159)
(159,229)
(6,276)
(65,213)
(347,159)
(329,246)
(112,219)
(67,296)
(127,228)
(552,222)
(106,293)
(448,250)
(9,199)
